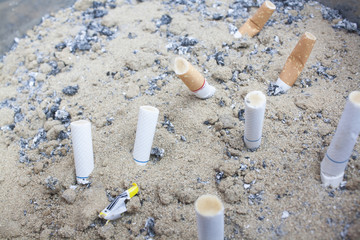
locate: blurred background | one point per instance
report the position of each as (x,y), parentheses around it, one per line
(17,16)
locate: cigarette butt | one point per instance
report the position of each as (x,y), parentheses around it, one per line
(83,150)
(145,132)
(193,79)
(255,23)
(297,59)
(210,217)
(336,158)
(255,103)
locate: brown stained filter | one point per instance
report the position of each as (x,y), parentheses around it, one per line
(297,59)
(254,24)
(188,74)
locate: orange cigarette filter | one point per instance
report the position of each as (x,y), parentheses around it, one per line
(188,74)
(297,59)
(254,24)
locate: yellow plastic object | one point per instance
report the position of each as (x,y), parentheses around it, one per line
(133,190)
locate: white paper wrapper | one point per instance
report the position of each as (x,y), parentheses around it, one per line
(343,142)
(255,103)
(282,85)
(210,217)
(206,91)
(145,132)
(83,150)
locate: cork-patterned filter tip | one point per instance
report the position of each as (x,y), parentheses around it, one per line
(188,74)
(297,59)
(255,23)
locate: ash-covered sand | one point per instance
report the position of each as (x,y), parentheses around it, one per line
(102,61)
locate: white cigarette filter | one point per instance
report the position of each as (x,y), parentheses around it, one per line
(210,217)
(255,23)
(145,132)
(83,150)
(193,79)
(255,103)
(336,158)
(296,61)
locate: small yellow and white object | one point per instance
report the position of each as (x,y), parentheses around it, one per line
(117,206)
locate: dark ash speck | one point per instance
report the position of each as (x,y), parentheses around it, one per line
(71,90)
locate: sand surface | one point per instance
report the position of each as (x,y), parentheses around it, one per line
(102,61)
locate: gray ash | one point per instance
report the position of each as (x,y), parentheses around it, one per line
(219,176)
(235,76)
(153,83)
(60,46)
(157,153)
(81,42)
(219,57)
(329,14)
(52,183)
(217,16)
(98,4)
(164,20)
(39,138)
(187,41)
(55,70)
(305,83)
(23,158)
(70,90)
(18,116)
(346,24)
(274,90)
(169,126)
(321,71)
(50,112)
(150,227)
(256,198)
(270,50)
(241,115)
(239,9)
(63,135)
(63,116)
(132,35)
(182,44)
(95,13)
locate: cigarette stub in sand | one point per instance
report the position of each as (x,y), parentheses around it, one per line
(193,78)
(83,150)
(145,132)
(255,103)
(255,23)
(336,158)
(296,61)
(210,217)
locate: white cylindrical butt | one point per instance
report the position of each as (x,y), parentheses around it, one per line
(336,158)
(210,217)
(205,91)
(83,150)
(145,132)
(255,103)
